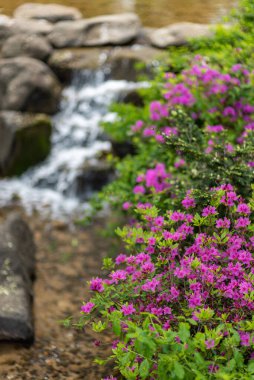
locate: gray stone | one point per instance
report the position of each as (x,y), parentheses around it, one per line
(132,97)
(143,36)
(123,61)
(5,28)
(177,34)
(14,27)
(92,177)
(98,31)
(17,269)
(120,61)
(28,85)
(27,45)
(49,12)
(39,27)
(17,131)
(64,61)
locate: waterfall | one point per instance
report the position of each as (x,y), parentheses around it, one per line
(52,187)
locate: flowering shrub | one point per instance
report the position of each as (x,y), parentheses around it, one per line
(182,302)
(204,114)
(180,299)
(190,156)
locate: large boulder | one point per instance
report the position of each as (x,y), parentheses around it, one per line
(98,31)
(14,27)
(177,34)
(39,27)
(17,269)
(28,85)
(121,62)
(49,12)
(24,141)
(5,28)
(27,45)
(64,61)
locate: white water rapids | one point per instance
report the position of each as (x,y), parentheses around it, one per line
(77,140)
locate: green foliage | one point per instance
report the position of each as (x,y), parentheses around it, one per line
(229,46)
(200,340)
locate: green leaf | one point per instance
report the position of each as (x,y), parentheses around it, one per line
(179,370)
(127,358)
(99,326)
(231,364)
(116,325)
(100,361)
(144,369)
(199,358)
(184,332)
(251,367)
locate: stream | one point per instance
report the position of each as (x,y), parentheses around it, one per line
(59,187)
(153,13)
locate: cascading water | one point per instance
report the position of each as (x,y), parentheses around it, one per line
(77,140)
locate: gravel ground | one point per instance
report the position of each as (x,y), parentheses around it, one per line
(66,259)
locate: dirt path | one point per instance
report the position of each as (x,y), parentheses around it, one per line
(66,260)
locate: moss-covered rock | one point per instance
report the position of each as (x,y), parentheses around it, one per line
(24,141)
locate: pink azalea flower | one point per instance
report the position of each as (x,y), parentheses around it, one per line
(243,208)
(188,202)
(86,308)
(242,222)
(126,205)
(209,210)
(96,285)
(209,343)
(223,223)
(139,189)
(128,309)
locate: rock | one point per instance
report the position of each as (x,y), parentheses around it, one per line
(49,12)
(64,61)
(28,85)
(123,61)
(142,38)
(27,45)
(98,31)
(38,27)
(13,27)
(132,97)
(4,20)
(17,131)
(122,149)
(17,268)
(5,28)
(177,34)
(93,177)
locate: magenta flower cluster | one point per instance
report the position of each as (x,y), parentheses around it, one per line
(199,270)
(154,180)
(219,101)
(185,264)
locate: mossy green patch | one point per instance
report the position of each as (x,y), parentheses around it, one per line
(31,144)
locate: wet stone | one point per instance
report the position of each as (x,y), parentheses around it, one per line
(17,269)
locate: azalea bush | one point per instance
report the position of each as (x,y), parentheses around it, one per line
(217,114)
(179,299)
(194,157)
(181,302)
